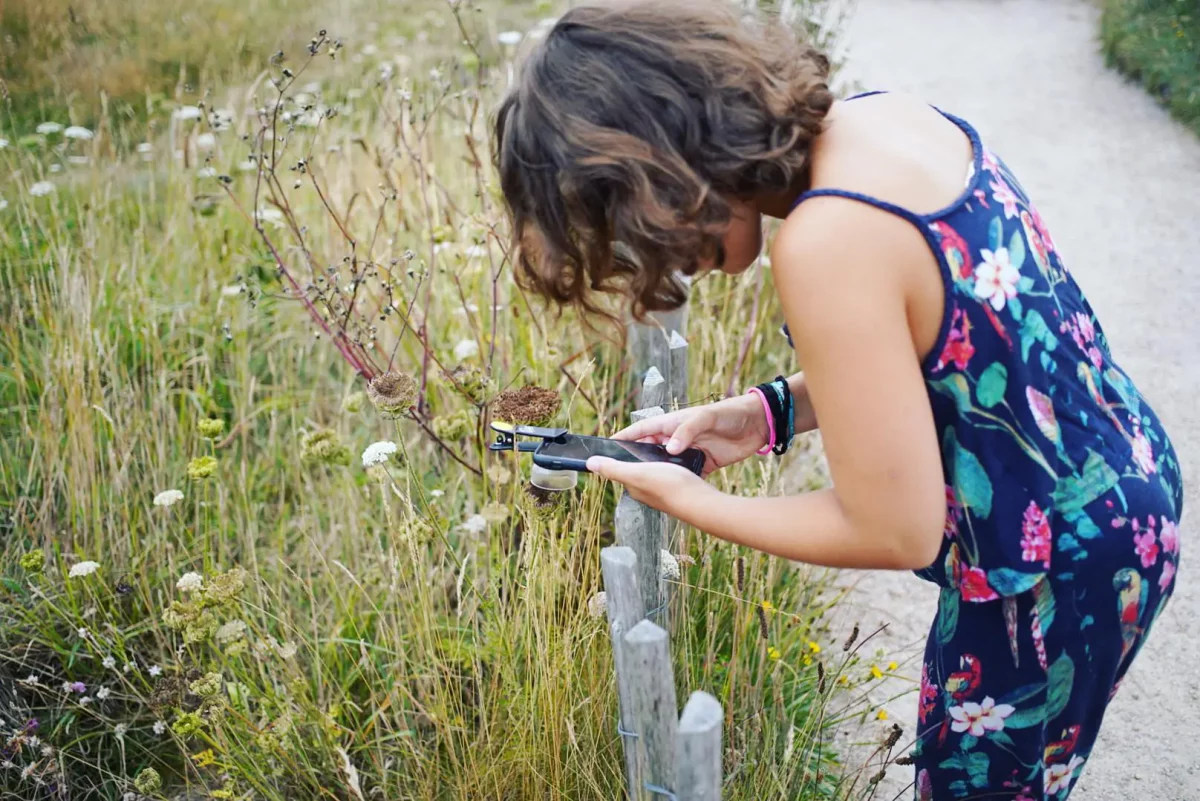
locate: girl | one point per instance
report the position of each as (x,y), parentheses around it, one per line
(977,427)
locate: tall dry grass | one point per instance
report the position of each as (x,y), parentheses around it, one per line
(200,317)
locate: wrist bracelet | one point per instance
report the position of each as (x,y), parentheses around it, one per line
(770,420)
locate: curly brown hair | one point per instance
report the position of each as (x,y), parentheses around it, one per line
(628,131)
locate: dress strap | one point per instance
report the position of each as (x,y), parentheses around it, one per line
(882,205)
(867,94)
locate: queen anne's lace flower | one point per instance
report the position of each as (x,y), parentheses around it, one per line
(81,569)
(378,453)
(168,497)
(189,582)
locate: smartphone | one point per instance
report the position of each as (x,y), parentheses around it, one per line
(571,452)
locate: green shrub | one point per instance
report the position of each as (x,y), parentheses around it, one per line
(1157,42)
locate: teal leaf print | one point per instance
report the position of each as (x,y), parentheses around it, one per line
(992,384)
(977,769)
(1007,581)
(972,482)
(1026,718)
(955,385)
(1075,492)
(1067,542)
(1126,391)
(1034,330)
(1016,250)
(1058,686)
(1043,601)
(995,234)
(1088,620)
(1002,739)
(947,617)
(1015,308)
(953,762)
(958,788)
(1021,694)
(1085,527)
(1024,285)
(967,743)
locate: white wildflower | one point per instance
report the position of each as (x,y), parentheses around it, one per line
(233,289)
(286,651)
(159,727)
(32,678)
(78,132)
(273,216)
(47,128)
(510,38)
(437,493)
(168,497)
(128,667)
(120,729)
(476,251)
(85,700)
(82,632)
(378,453)
(597,605)
(77,160)
(41,189)
(189,582)
(249,165)
(187,113)
(230,631)
(475,524)
(109,663)
(668,568)
(28,770)
(66,687)
(206,172)
(33,741)
(130,796)
(145,147)
(103,693)
(466,349)
(206,141)
(82,569)
(3,143)
(154,671)
(55,168)
(3,204)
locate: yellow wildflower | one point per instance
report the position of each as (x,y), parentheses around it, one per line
(773,652)
(876,673)
(882,715)
(892,666)
(807,660)
(814,646)
(204,758)
(844,679)
(768,606)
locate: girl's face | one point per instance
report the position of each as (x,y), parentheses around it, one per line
(743,241)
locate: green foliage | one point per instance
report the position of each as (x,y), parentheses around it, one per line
(1157,42)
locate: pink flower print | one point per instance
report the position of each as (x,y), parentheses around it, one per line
(1143,453)
(1058,777)
(929,693)
(1169,537)
(974,586)
(1146,546)
(978,719)
(1004,195)
(958,348)
(1039,638)
(1043,231)
(1096,357)
(989,162)
(1043,413)
(1025,794)
(996,278)
(953,514)
(1086,327)
(981,196)
(1035,542)
(955,249)
(1168,575)
(924,786)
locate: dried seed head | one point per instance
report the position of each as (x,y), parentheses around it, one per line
(904,760)
(392,393)
(529,406)
(820,677)
(597,605)
(893,736)
(470,382)
(762,622)
(543,504)
(740,564)
(851,639)
(878,777)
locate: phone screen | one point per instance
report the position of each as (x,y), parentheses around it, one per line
(576,450)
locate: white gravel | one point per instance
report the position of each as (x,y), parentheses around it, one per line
(1119,184)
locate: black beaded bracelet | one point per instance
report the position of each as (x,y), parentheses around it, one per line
(779,400)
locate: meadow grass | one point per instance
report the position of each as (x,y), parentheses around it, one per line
(205,591)
(1157,42)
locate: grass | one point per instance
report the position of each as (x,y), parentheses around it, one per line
(1157,42)
(416,630)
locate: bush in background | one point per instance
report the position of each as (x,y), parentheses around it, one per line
(1157,42)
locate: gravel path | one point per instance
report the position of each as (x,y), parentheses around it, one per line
(1119,184)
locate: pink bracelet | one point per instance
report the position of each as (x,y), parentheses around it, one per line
(770,421)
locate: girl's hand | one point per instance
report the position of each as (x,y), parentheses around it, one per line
(727,431)
(660,485)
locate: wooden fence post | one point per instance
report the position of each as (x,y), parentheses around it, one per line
(698,750)
(655,391)
(641,528)
(677,375)
(618,565)
(648,660)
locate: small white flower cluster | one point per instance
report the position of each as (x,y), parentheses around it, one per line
(41,189)
(81,569)
(475,524)
(168,497)
(668,568)
(466,349)
(378,453)
(190,582)
(597,605)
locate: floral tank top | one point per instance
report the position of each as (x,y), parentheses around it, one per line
(1048,449)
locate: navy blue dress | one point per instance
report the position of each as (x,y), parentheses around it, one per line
(1063,497)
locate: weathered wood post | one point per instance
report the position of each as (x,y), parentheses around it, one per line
(677,375)
(655,391)
(647,658)
(640,528)
(618,565)
(698,750)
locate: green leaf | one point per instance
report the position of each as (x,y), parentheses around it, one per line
(1007,581)
(977,769)
(995,234)
(972,482)
(1085,527)
(967,743)
(954,762)
(1075,492)
(959,788)
(1026,718)
(1000,738)
(1059,682)
(956,386)
(992,385)
(1016,249)
(947,617)
(1043,601)
(1021,694)
(1034,330)
(1015,308)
